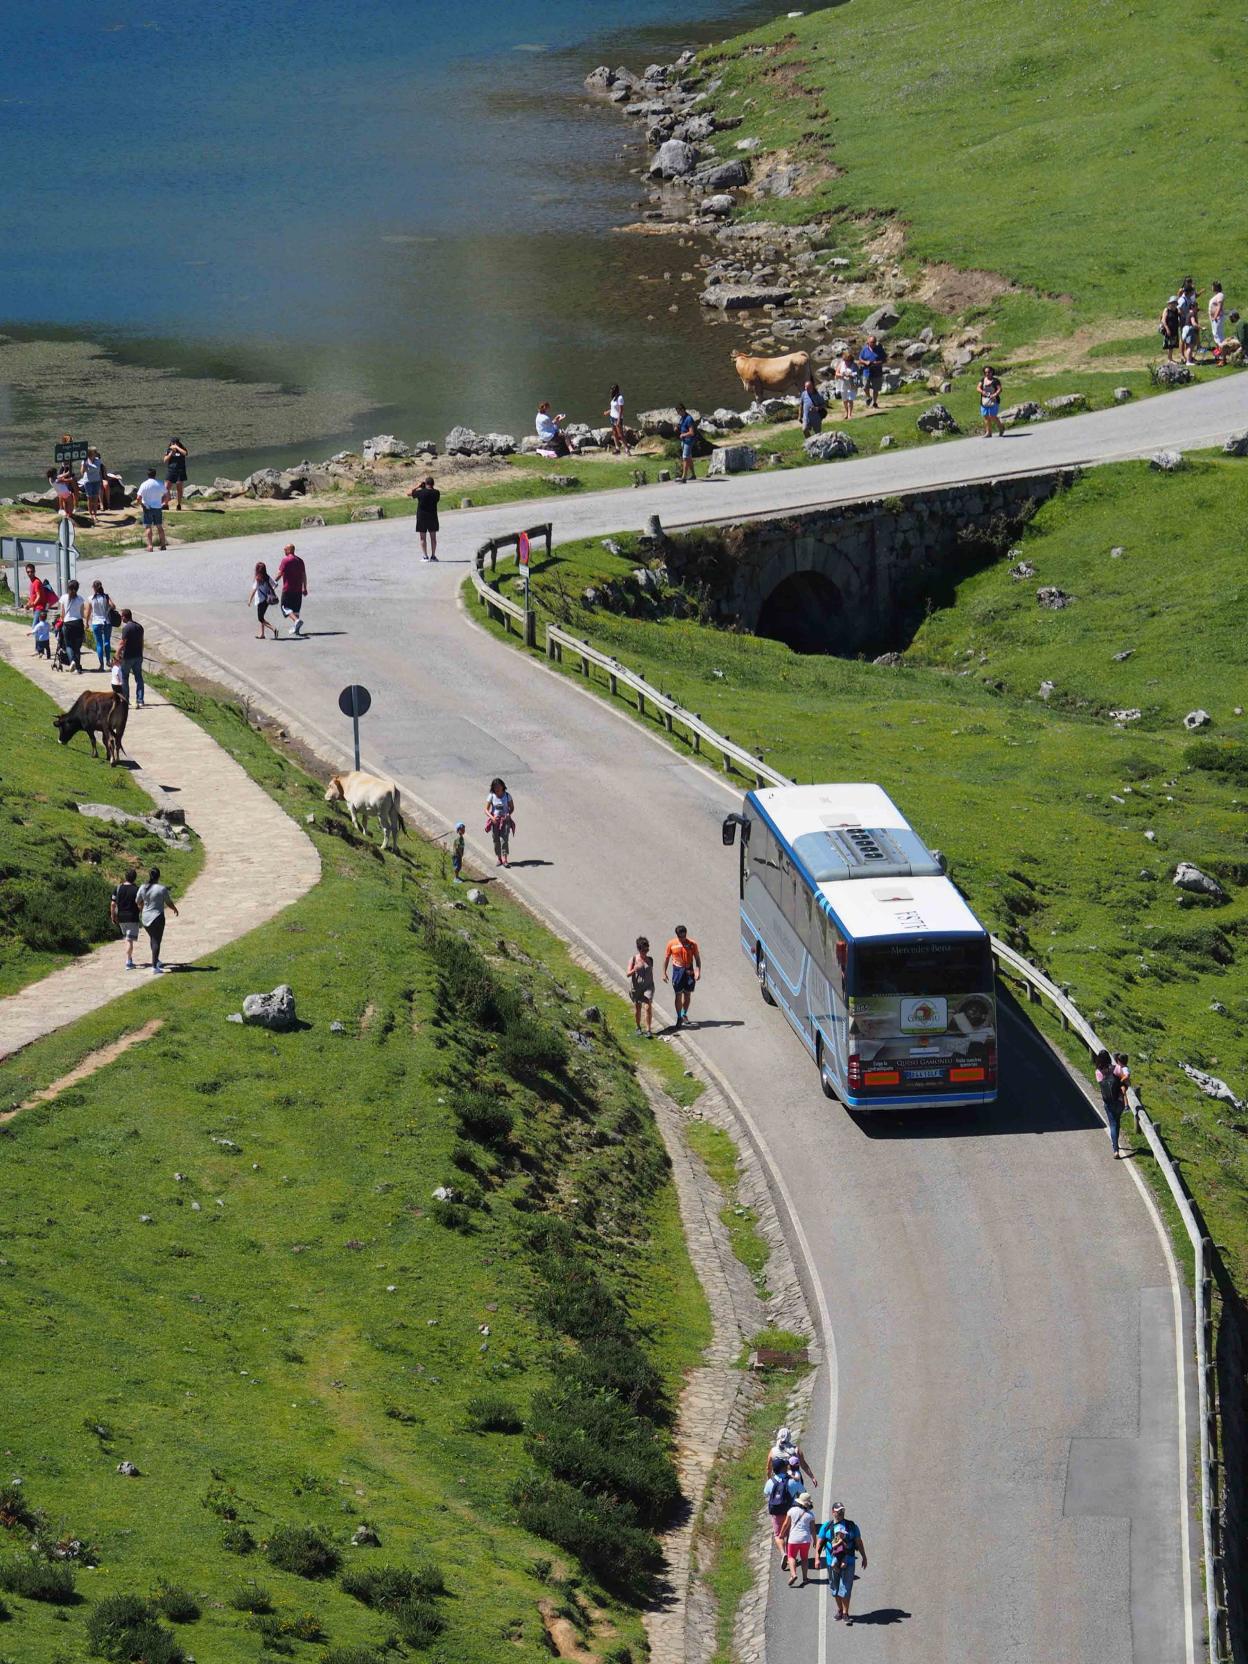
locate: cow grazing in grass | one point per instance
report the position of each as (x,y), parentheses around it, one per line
(365,795)
(93,713)
(767,378)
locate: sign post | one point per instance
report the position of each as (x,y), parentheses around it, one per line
(523,553)
(355,702)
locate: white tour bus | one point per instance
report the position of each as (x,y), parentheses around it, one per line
(868,949)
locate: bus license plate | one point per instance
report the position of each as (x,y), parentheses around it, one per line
(925,1074)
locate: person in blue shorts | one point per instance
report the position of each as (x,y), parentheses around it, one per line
(990,402)
(838,1543)
(687,433)
(684,958)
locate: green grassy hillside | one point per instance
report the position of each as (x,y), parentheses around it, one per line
(57,867)
(1044,808)
(222,1260)
(1086,151)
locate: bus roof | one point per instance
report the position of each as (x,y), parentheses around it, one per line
(866,904)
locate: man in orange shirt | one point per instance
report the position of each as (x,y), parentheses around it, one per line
(685,959)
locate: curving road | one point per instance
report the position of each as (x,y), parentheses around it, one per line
(1001,1400)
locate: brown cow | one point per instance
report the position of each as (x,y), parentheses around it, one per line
(768,377)
(92,712)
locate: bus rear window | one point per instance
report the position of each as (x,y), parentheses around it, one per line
(921,968)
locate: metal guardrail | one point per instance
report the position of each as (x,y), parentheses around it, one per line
(1038,986)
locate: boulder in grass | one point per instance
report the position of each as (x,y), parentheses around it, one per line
(828,447)
(385,445)
(733,459)
(1067,401)
(1167,462)
(1172,375)
(1196,719)
(883,318)
(266,482)
(1190,878)
(1054,598)
(275,1010)
(938,418)
(1212,1087)
(1236,444)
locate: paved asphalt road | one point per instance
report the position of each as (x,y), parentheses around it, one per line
(1002,1383)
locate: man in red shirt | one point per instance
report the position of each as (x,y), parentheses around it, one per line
(685,958)
(292,583)
(40,597)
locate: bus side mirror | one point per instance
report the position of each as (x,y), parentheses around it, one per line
(730,831)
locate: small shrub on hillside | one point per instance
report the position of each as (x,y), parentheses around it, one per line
(250,1597)
(468,982)
(52,916)
(236,1539)
(175,1603)
(15,1508)
(492,1415)
(454,1215)
(600,1446)
(1228,758)
(303,1551)
(528,1048)
(419,1622)
(386,1588)
(484,1118)
(5,1615)
(351,1655)
(603,1535)
(124,1627)
(39,1580)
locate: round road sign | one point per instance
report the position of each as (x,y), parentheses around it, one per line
(354,701)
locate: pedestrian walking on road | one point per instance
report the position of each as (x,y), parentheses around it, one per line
(640,974)
(1113,1097)
(778,1501)
(292,581)
(427,496)
(100,615)
(841,1544)
(153,899)
(500,821)
(797,1534)
(684,958)
(457,852)
(153,499)
(264,594)
(814,407)
(130,655)
(990,402)
(175,469)
(687,434)
(787,1451)
(74,614)
(123,909)
(615,415)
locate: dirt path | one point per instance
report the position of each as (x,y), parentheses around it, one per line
(256,860)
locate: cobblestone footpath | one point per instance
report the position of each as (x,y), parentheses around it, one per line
(257,861)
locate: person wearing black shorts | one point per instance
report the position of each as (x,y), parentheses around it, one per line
(685,959)
(427,495)
(175,469)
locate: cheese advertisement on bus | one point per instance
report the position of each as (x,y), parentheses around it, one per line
(856,932)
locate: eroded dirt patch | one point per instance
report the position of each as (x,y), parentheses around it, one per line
(89,1066)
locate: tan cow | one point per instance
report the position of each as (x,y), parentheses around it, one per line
(765,378)
(365,795)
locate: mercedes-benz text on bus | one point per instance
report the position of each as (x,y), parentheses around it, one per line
(868,949)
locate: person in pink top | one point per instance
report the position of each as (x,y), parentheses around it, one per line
(292,583)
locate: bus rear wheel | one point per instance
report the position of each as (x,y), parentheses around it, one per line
(825,1077)
(760,965)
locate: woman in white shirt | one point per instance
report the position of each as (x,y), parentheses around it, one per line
(846,379)
(615,411)
(549,431)
(797,1534)
(500,823)
(74,614)
(99,616)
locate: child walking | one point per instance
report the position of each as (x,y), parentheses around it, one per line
(457,852)
(640,974)
(42,632)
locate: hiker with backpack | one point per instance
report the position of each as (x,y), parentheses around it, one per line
(787,1450)
(778,1499)
(839,1545)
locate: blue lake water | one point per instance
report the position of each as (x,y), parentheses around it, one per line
(393,216)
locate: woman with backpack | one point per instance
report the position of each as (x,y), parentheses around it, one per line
(1113,1097)
(264,595)
(102,616)
(778,1499)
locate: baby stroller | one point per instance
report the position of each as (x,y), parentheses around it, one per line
(60,653)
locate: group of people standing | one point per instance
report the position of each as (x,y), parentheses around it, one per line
(799,1537)
(1180,326)
(95,488)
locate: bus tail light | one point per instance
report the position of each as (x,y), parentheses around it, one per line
(882,1077)
(990,1063)
(854,1071)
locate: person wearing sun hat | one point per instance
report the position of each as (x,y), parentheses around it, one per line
(797,1534)
(841,1542)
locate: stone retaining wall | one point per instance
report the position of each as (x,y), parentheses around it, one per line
(857,577)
